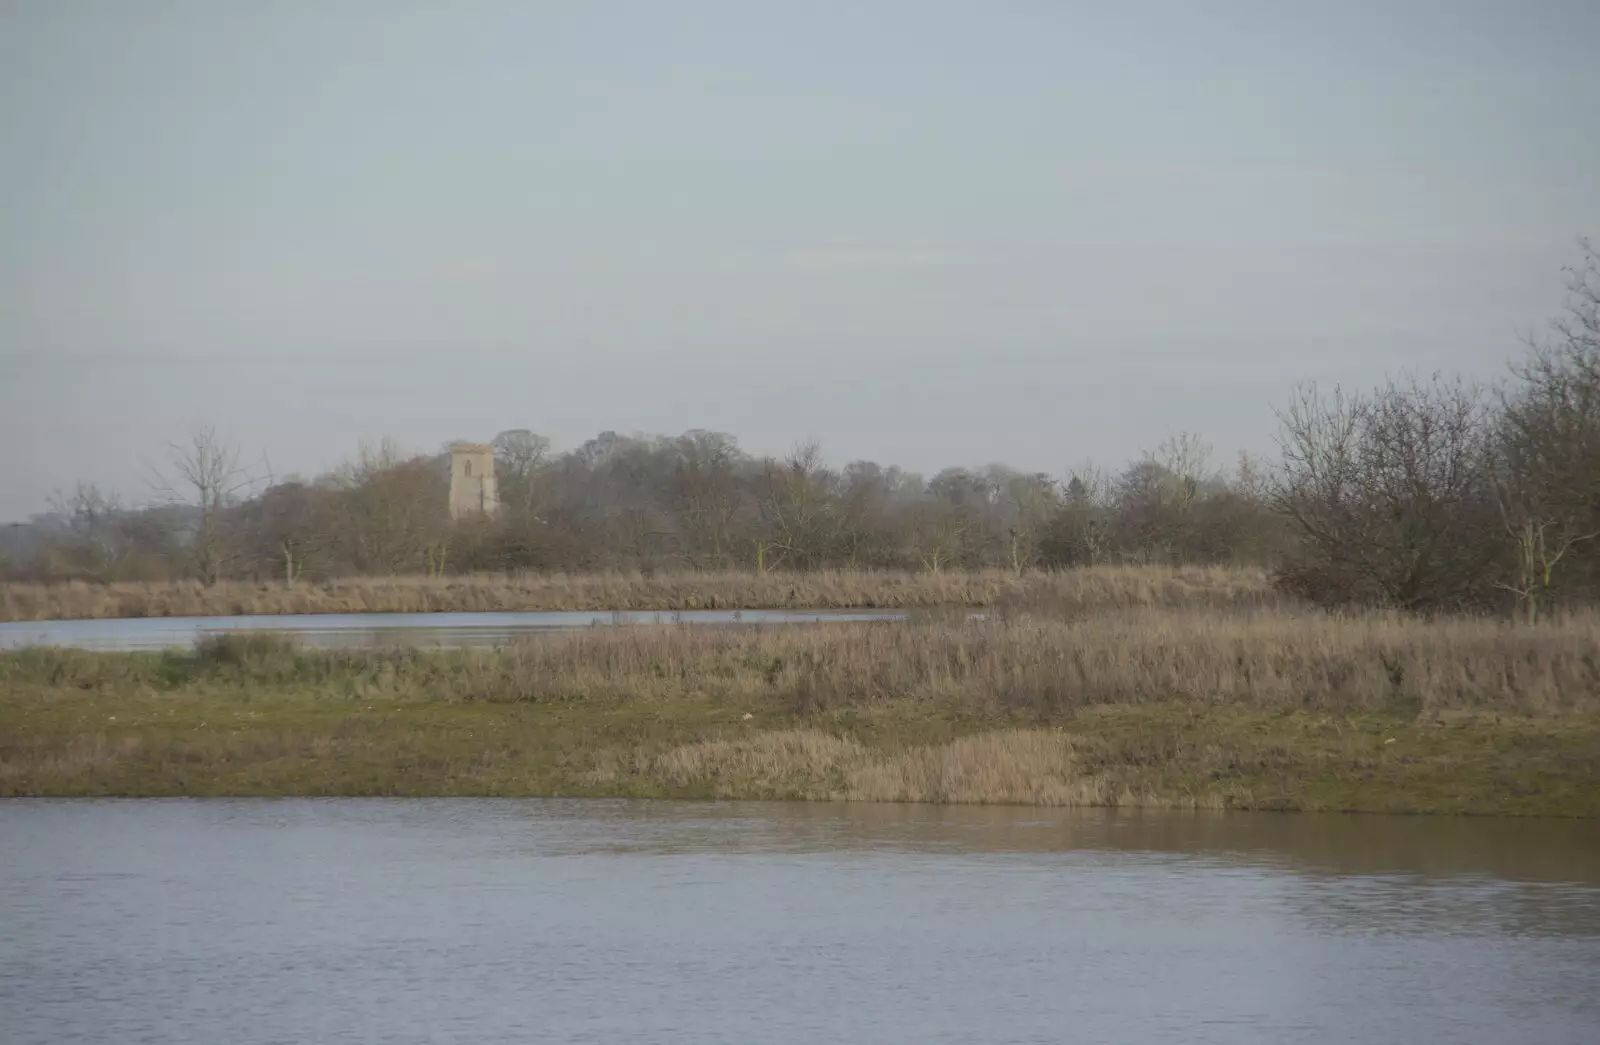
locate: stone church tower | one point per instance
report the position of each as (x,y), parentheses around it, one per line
(472,489)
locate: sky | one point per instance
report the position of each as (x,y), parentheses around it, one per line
(921,232)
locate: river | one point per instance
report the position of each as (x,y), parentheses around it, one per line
(463,921)
(326,630)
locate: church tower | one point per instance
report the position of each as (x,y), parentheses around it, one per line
(472,489)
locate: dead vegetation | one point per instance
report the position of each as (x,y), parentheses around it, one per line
(1029,664)
(1064,591)
(1004,767)
(1135,707)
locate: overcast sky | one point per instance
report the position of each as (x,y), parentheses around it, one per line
(923,232)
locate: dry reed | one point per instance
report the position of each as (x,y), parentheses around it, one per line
(1068,591)
(1005,767)
(1029,664)
(1135,707)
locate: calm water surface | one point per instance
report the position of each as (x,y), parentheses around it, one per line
(565,921)
(324,630)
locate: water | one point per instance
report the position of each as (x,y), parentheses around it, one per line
(380,629)
(460,921)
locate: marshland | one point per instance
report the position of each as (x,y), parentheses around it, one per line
(1166,706)
(1397,613)
(722,522)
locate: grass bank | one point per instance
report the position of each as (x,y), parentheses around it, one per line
(1124,587)
(1155,708)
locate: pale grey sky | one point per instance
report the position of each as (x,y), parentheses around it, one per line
(925,232)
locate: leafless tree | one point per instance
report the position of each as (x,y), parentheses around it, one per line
(206,476)
(1082,531)
(634,502)
(518,457)
(1389,494)
(290,526)
(1547,482)
(1540,542)
(879,507)
(705,496)
(795,509)
(98,543)
(1185,459)
(1029,503)
(392,511)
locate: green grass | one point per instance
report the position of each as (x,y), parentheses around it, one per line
(663,714)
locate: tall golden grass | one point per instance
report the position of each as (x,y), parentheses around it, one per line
(1001,767)
(1130,707)
(1028,663)
(1084,590)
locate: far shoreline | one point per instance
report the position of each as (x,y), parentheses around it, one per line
(1064,590)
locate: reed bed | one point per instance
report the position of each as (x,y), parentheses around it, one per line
(1134,707)
(1032,665)
(1065,591)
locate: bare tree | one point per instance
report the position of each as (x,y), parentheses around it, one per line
(289,527)
(1082,533)
(943,532)
(1249,477)
(1186,460)
(876,507)
(1541,542)
(1029,504)
(1389,494)
(1157,496)
(98,543)
(205,475)
(795,509)
(1548,448)
(392,511)
(704,491)
(1579,329)
(518,456)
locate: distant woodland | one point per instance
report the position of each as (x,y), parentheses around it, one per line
(1428,493)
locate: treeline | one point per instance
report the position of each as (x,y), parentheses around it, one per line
(1424,494)
(693,501)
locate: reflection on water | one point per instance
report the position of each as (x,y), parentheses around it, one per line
(574,921)
(325,630)
(1510,848)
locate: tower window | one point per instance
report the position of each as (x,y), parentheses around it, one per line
(467,465)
